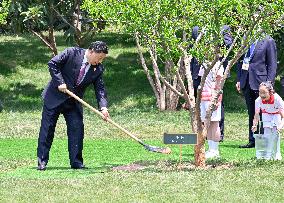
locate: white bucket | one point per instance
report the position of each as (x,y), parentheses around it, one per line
(266,145)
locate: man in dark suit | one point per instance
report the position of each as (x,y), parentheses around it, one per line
(195,67)
(74,69)
(259,64)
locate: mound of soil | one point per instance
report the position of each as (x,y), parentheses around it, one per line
(170,166)
(130,167)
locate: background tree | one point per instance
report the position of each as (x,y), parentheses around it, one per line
(160,28)
(157,28)
(36,21)
(4,9)
(44,18)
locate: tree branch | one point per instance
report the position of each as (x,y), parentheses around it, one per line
(64,20)
(170,86)
(156,70)
(186,96)
(146,70)
(42,38)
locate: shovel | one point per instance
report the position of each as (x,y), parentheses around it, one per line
(150,148)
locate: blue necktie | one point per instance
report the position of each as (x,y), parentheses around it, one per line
(251,50)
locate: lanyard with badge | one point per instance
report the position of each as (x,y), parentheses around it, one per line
(247,58)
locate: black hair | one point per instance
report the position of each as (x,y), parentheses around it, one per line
(268,85)
(99,47)
(194,32)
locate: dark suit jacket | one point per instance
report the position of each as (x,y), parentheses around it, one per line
(65,68)
(262,66)
(194,65)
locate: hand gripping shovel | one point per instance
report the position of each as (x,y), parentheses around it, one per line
(146,146)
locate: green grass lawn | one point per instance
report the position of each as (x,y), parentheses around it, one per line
(241,178)
(236,177)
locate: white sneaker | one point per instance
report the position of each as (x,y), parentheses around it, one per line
(278,156)
(211,154)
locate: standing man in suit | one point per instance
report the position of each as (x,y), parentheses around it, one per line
(195,67)
(74,69)
(258,65)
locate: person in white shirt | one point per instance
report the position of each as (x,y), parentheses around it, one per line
(212,84)
(271,107)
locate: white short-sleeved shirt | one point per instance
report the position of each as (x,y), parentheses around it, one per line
(207,91)
(210,81)
(270,110)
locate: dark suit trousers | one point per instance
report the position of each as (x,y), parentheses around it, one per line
(250,97)
(282,86)
(75,131)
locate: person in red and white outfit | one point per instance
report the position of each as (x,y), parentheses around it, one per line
(212,83)
(271,106)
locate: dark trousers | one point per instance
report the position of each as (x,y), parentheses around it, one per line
(75,131)
(222,121)
(282,86)
(1,106)
(250,97)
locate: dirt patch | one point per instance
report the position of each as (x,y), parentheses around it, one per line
(219,166)
(188,166)
(170,166)
(130,167)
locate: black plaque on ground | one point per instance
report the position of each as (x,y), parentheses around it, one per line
(175,138)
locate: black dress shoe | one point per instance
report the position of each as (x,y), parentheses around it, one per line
(41,166)
(79,166)
(221,138)
(248,145)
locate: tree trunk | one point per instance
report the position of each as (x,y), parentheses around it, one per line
(172,98)
(199,152)
(165,97)
(199,149)
(51,37)
(52,42)
(172,101)
(78,24)
(49,40)
(168,78)
(162,101)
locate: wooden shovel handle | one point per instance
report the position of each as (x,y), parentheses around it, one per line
(101,115)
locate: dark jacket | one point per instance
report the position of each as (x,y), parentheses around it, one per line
(194,65)
(262,66)
(65,68)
